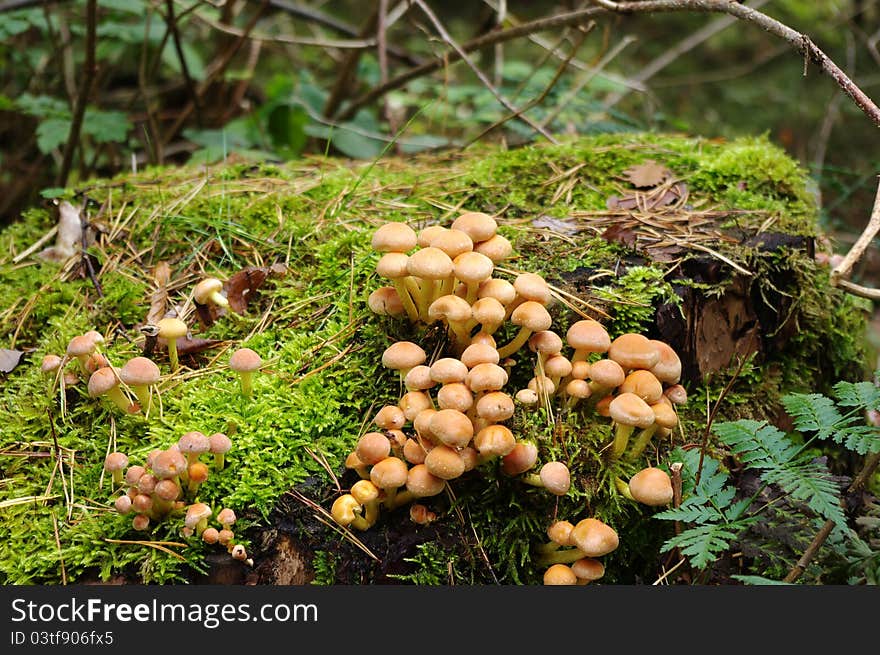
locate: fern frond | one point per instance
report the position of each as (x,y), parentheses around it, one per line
(695,509)
(702,544)
(813,412)
(766,448)
(857,394)
(863,439)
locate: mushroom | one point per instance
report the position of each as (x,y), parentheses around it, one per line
(346,511)
(452,428)
(113,464)
(413,403)
(497,248)
(531,317)
(559,574)
(456,313)
(390,417)
(586,337)
(164,494)
(140,522)
(79,348)
(367,495)
(169,465)
(197,473)
(140,374)
(628,412)
(633,351)
(444,462)
(171,329)
(210,292)
(104,382)
(668,367)
(529,287)
(553,476)
(479,353)
(211,536)
(605,376)
(421,483)
(239,553)
(50,364)
(665,418)
(372,448)
(453,243)
(219,445)
(385,301)
(588,570)
(226,517)
(431,266)
(455,396)
(394,237)
(594,538)
(123,504)
(495,406)
(676,394)
(393,266)
(245,362)
(477,225)
(472,268)
(488,313)
(197,516)
(193,444)
(651,486)
(421,515)
(494,441)
(402,356)
(389,475)
(418,378)
(644,384)
(427,234)
(520,459)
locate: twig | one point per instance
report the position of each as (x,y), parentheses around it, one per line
(844,268)
(82,98)
(867,471)
(348,67)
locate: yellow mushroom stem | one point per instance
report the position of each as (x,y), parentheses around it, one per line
(643,438)
(622,433)
(407,288)
(623,488)
(561,556)
(518,342)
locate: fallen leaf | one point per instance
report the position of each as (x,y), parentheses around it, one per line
(626,203)
(9,359)
(557,225)
(647,174)
(188,346)
(240,286)
(622,235)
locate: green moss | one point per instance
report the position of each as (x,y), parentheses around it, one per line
(323,379)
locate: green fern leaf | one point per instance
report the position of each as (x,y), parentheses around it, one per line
(702,544)
(694,510)
(813,413)
(857,394)
(861,438)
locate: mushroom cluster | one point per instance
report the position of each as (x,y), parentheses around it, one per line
(168,477)
(571,553)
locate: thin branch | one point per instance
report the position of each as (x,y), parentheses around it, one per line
(844,268)
(347,68)
(184,67)
(82,98)
(480,75)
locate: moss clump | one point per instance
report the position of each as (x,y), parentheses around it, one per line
(323,379)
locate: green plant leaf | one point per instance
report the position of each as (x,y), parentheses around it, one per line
(287,127)
(106,126)
(52,133)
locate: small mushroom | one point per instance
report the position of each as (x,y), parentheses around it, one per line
(193,444)
(141,374)
(104,382)
(114,463)
(197,516)
(245,362)
(171,329)
(560,574)
(651,486)
(219,445)
(210,292)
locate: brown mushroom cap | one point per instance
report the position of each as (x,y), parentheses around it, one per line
(219,443)
(495,406)
(418,378)
(486,377)
(403,355)
(489,313)
(345,509)
(557,366)
(494,441)
(422,424)
(366,491)
(122,504)
(581,370)
(169,463)
(80,346)
(115,462)
(50,363)
(546,342)
(676,394)
(532,287)
(594,537)
(644,384)
(394,237)
(167,490)
(193,443)
(414,452)
(372,448)
(444,462)
(430,264)
(477,225)
(447,370)
(385,301)
(520,459)
(211,536)
(532,316)
(195,513)
(390,473)
(197,473)
(452,428)
(139,371)
(413,403)
(102,381)
(390,417)
(579,389)
(556,478)
(664,414)
(453,242)
(245,360)
(588,569)
(542,385)
(501,290)
(633,351)
(428,234)
(527,397)
(420,482)
(607,373)
(668,367)
(497,248)
(479,353)
(133,474)
(588,336)
(455,396)
(450,308)
(473,268)
(629,409)
(392,266)
(559,533)
(651,486)
(559,574)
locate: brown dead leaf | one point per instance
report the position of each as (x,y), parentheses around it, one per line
(625,236)
(647,174)
(191,346)
(240,287)
(625,203)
